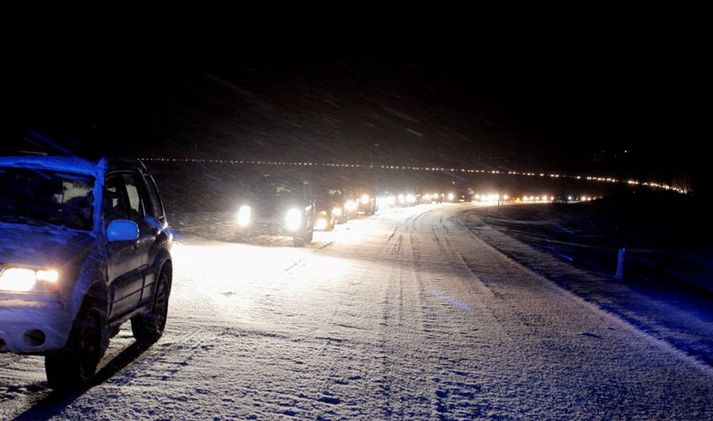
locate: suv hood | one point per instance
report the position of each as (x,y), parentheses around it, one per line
(44,246)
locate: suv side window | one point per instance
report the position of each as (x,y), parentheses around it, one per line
(135,195)
(156,208)
(115,206)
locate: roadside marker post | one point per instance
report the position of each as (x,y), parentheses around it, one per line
(619,275)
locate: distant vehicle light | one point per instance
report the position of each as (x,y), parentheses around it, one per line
(293,220)
(451,196)
(402,199)
(244,216)
(410,199)
(337,212)
(350,205)
(365,199)
(321,224)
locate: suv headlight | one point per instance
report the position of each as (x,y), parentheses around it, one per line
(293,220)
(23,279)
(245,216)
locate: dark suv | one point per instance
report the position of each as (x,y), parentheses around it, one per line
(273,204)
(84,247)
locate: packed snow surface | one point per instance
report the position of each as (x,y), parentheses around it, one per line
(403,315)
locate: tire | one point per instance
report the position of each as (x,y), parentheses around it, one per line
(75,366)
(304,239)
(148,328)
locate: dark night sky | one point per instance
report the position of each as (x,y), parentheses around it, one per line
(582,89)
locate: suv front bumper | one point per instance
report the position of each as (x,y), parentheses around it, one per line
(33,325)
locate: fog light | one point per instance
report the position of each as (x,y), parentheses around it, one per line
(35,337)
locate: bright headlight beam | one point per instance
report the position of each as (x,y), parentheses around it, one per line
(244,216)
(51,276)
(18,280)
(293,220)
(26,279)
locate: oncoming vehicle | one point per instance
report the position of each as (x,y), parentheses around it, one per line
(84,247)
(273,205)
(359,202)
(330,209)
(366,202)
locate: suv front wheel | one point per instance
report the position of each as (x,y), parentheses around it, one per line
(76,365)
(148,328)
(304,239)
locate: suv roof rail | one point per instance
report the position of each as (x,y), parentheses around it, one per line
(125,163)
(32,153)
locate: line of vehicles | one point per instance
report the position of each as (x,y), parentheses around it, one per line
(276,203)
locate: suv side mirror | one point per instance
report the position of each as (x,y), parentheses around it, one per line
(122,230)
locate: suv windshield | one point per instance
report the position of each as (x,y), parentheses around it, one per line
(46,197)
(267,187)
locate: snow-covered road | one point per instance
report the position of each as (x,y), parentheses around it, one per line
(403,315)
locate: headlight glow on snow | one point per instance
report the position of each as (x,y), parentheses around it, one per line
(26,280)
(244,216)
(293,220)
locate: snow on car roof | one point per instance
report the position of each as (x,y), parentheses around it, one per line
(52,163)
